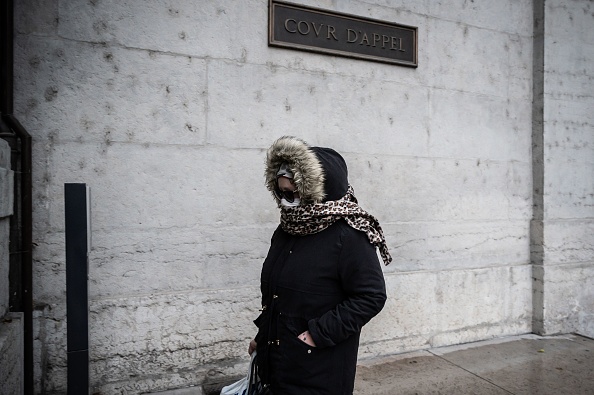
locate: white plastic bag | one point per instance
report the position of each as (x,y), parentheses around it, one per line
(242,386)
(238,388)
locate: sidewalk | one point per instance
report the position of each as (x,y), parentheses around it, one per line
(520,365)
(517,365)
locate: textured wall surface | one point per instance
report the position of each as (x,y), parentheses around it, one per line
(6,208)
(11,354)
(568,222)
(11,324)
(165,108)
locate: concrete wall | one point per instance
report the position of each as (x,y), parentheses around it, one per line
(11,324)
(165,109)
(567,271)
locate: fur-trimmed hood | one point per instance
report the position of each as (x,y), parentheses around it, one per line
(320,174)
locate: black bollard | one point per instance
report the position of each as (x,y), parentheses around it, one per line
(78,232)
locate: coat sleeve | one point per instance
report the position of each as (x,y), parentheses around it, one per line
(362,281)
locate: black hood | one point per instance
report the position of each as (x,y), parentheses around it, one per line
(336,180)
(320,174)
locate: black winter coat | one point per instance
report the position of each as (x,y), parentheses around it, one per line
(329,283)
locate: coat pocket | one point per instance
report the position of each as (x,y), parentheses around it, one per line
(293,325)
(308,365)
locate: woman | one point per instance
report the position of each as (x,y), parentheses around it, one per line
(321,280)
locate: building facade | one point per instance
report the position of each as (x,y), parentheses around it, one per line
(478,163)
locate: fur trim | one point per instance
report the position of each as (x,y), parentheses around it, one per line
(307,169)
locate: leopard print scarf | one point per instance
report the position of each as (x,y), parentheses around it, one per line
(314,218)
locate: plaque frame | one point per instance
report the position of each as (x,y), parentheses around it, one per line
(353,43)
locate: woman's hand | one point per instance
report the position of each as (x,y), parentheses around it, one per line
(252,347)
(306,338)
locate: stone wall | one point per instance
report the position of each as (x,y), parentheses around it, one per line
(11,324)
(6,208)
(11,354)
(165,109)
(567,227)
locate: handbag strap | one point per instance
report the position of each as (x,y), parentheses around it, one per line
(255,386)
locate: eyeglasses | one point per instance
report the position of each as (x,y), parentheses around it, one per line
(289,196)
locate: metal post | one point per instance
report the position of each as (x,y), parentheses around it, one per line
(76,198)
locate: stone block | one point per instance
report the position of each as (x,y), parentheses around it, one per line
(42,178)
(514,17)
(569,80)
(129,95)
(267,102)
(568,298)
(569,188)
(480,126)
(6,209)
(11,354)
(435,308)
(567,126)
(184,187)
(221,29)
(568,134)
(6,192)
(395,8)
(4,154)
(465,58)
(402,189)
(144,261)
(568,241)
(6,183)
(450,246)
(565,18)
(520,61)
(156,341)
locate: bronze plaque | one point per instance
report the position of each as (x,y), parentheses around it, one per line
(311,29)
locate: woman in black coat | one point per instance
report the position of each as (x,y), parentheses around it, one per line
(321,280)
